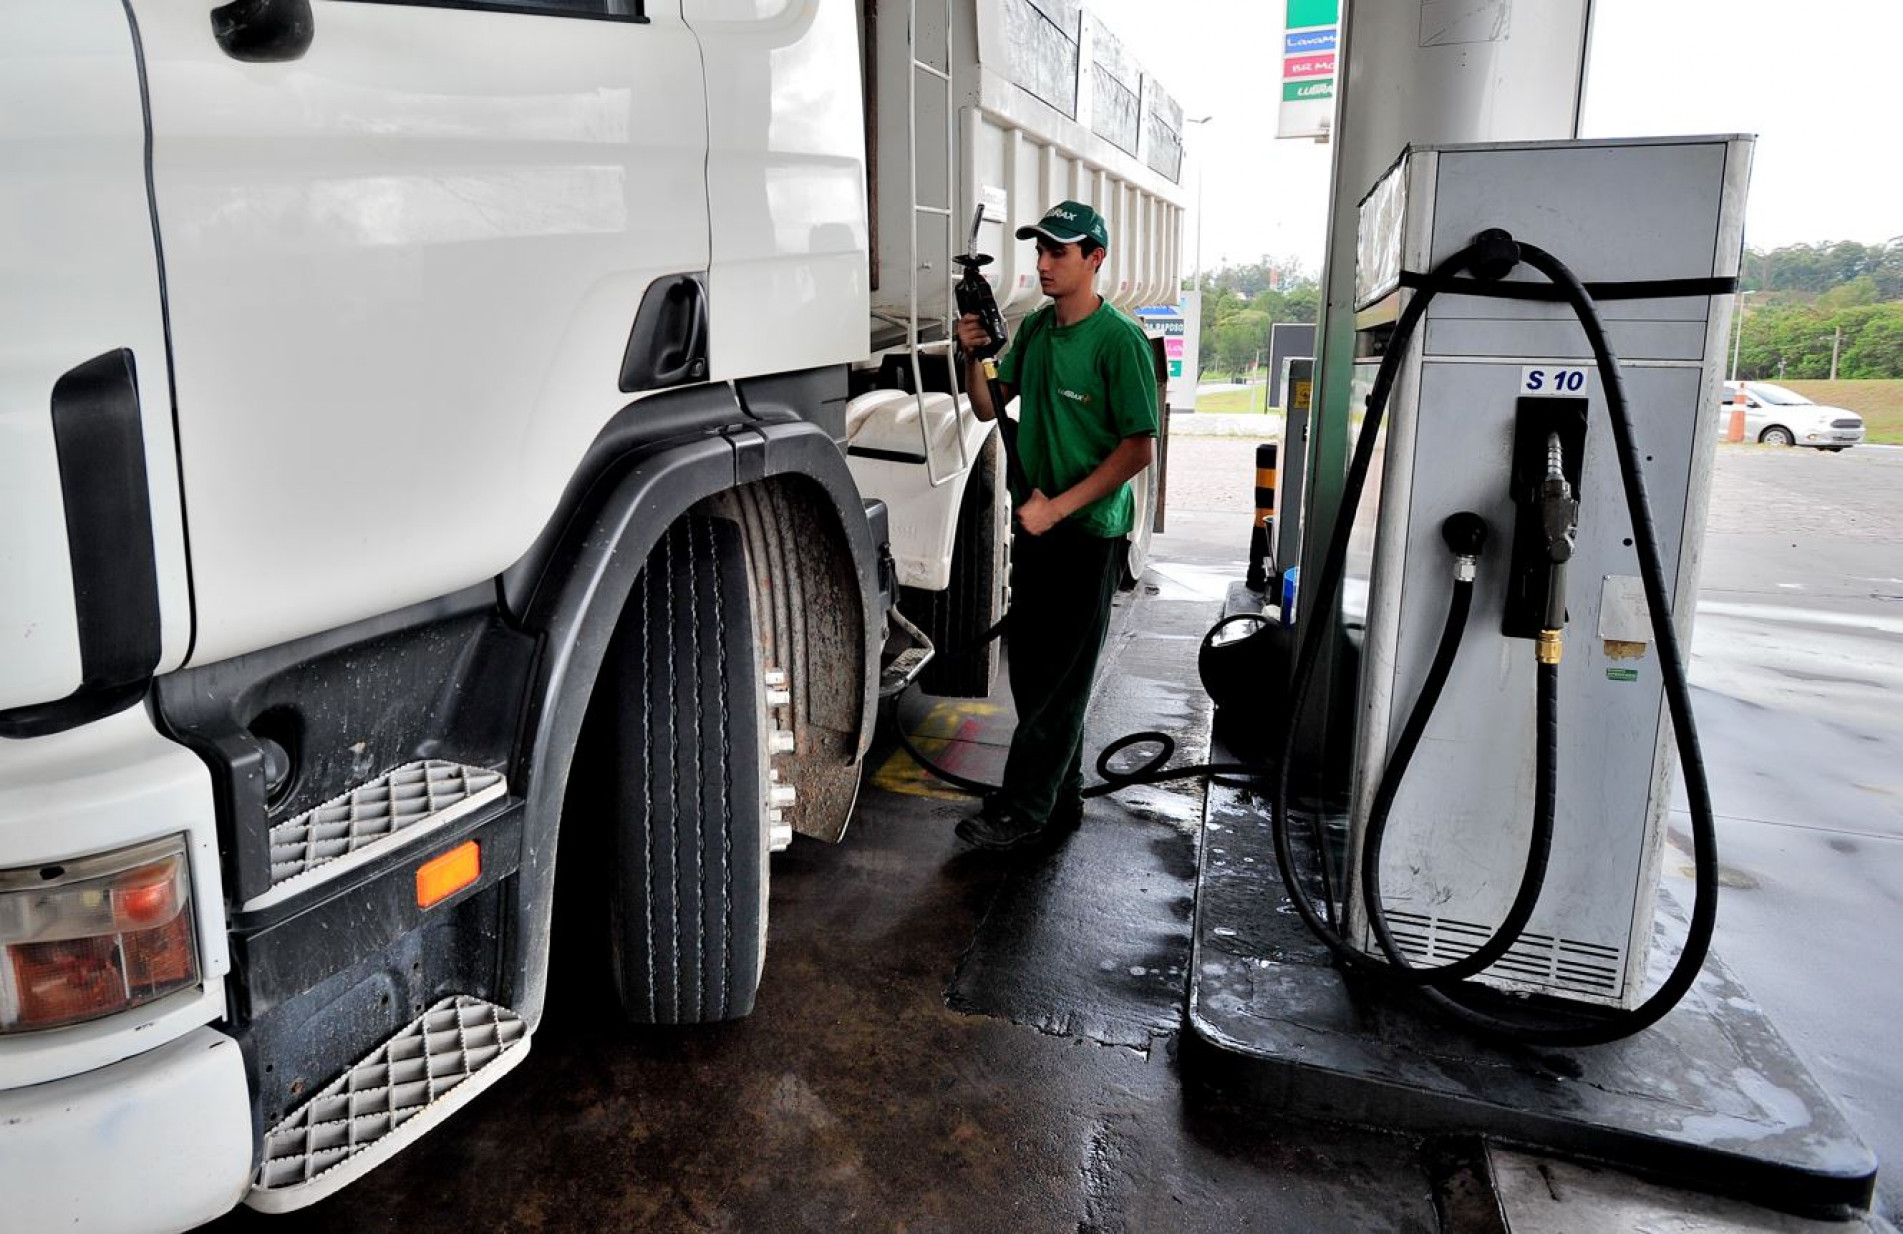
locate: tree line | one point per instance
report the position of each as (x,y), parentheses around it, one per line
(1821,310)
(1809,311)
(1819,268)
(1241,303)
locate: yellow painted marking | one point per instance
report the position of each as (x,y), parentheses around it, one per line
(1265,476)
(949,722)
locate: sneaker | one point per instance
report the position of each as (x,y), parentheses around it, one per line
(1000,832)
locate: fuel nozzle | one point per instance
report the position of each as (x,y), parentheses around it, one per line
(1559,508)
(973,293)
(1559,522)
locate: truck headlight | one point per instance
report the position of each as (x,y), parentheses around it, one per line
(87,938)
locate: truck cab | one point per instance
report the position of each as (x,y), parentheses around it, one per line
(442,485)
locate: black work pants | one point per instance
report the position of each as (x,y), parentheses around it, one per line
(1062,584)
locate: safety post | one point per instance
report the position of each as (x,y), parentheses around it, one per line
(1263,526)
(1734,431)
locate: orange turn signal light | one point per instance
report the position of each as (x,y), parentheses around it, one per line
(441,877)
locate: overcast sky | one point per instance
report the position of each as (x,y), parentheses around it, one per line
(1817,81)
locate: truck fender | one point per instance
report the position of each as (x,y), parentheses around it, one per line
(590,571)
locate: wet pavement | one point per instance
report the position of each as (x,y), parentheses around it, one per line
(1797,666)
(944,1041)
(1797,669)
(950,1041)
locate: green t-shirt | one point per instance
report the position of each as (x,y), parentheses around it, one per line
(1082,389)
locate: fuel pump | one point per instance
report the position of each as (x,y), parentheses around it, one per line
(1545,490)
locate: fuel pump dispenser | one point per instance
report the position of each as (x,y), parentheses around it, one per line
(1539,332)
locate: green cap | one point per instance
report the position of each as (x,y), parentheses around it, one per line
(1067,222)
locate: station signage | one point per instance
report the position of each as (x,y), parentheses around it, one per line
(1178,324)
(1308,66)
(1311,37)
(1309,42)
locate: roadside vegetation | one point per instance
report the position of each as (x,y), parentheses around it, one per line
(1821,311)
(1810,312)
(1240,306)
(1232,402)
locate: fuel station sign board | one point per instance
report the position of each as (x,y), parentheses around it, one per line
(1310,44)
(1180,326)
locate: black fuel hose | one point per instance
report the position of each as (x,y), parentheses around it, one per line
(1334,565)
(1153,769)
(1704,917)
(1545,808)
(1008,437)
(1485,255)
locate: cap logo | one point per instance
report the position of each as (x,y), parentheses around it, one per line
(1066,215)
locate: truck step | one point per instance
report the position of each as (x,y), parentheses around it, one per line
(907,652)
(397,808)
(431,1068)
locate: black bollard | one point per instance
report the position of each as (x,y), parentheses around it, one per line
(1262,528)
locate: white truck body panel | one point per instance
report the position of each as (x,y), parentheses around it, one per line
(469,206)
(159,1142)
(923,520)
(103,786)
(81,279)
(786,185)
(1020,151)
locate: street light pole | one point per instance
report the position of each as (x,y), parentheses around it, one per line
(1737,340)
(1196,275)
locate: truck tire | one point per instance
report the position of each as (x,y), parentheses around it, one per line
(1138,555)
(956,618)
(687,896)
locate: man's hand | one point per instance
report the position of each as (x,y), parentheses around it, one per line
(971,333)
(972,336)
(1039,513)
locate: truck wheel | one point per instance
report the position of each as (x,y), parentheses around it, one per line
(687,905)
(1138,554)
(957,617)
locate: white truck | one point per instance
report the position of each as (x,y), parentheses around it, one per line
(433,431)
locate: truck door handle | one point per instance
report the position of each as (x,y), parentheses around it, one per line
(668,345)
(264,31)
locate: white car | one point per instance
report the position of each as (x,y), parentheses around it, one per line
(1780,417)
